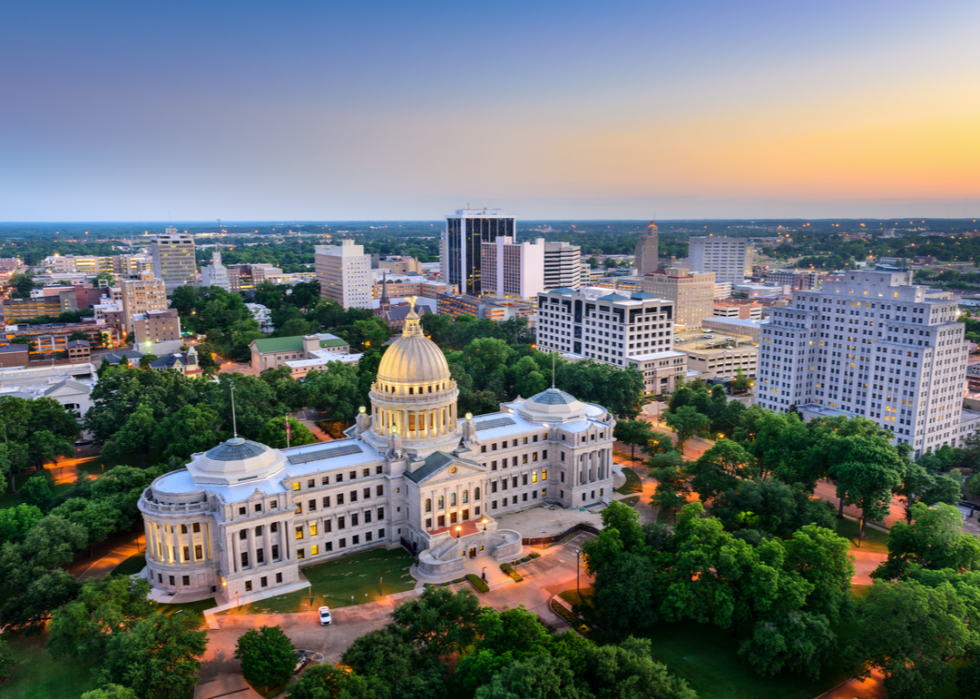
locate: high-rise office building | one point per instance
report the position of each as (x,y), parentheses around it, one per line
(728,258)
(873,345)
(215,274)
(646,251)
(140,296)
(625,331)
(796,281)
(173,259)
(693,294)
(462,245)
(513,270)
(344,273)
(562,266)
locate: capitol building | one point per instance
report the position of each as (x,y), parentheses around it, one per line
(243,518)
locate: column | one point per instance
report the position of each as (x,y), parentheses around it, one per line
(252,561)
(230,552)
(236,547)
(150,541)
(285,541)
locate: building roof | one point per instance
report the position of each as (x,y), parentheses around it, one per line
(116,357)
(435,462)
(641,295)
(78,343)
(270,345)
(413,358)
(614,297)
(13,348)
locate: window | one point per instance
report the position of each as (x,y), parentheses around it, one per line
(352,475)
(353,496)
(563,456)
(428,523)
(366,472)
(340,478)
(264,582)
(340,499)
(275,552)
(534,477)
(258,530)
(299,509)
(378,470)
(452,499)
(343,543)
(172,580)
(379,490)
(544,474)
(300,553)
(514,461)
(367,493)
(311,483)
(244,559)
(242,511)
(326,501)
(328,546)
(312,528)
(476,494)
(299,532)
(311,506)
(341,523)
(466,497)
(353,520)
(314,550)
(296,485)
(197,527)
(274,527)
(381,533)
(442,503)
(325,480)
(493,465)
(243,534)
(355,540)
(278,577)
(381,513)
(525,440)
(367,536)
(428,504)
(367,516)
(493,505)
(198,552)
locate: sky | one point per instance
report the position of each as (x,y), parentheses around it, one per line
(156,111)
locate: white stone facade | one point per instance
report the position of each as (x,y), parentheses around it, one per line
(243,518)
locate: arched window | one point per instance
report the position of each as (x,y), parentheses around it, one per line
(476,494)
(428,504)
(442,503)
(452,499)
(466,496)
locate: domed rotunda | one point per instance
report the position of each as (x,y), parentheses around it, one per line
(414,398)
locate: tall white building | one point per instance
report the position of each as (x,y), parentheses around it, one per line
(562,266)
(461,254)
(729,258)
(873,345)
(173,259)
(344,273)
(513,270)
(215,274)
(624,331)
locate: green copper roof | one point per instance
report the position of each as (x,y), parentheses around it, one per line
(270,345)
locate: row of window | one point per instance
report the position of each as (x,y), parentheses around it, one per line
(338,477)
(379,491)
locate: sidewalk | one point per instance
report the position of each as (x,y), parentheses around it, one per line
(107,563)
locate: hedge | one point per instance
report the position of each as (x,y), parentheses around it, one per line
(478,582)
(568,616)
(507,568)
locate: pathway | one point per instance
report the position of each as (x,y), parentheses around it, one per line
(871,688)
(828,491)
(107,563)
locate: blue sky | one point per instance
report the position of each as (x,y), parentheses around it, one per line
(305,111)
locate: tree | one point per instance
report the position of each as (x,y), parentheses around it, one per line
(331,682)
(767,505)
(626,671)
(274,433)
(927,487)
(624,591)
(147,359)
(741,383)
(6,662)
(105,606)
(625,520)
(868,469)
(633,433)
(388,657)
(157,658)
(934,540)
(436,327)
(333,389)
(22,284)
(719,468)
(824,561)
(78,335)
(439,621)
(686,422)
(111,691)
(41,593)
(110,280)
(37,491)
(191,429)
(136,436)
(797,642)
(16,521)
(911,632)
(266,655)
(540,677)
(672,487)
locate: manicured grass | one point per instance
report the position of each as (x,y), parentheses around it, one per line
(37,676)
(131,566)
(875,540)
(573,597)
(633,483)
(354,579)
(631,500)
(188,607)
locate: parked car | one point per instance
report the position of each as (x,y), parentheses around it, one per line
(301,659)
(325,616)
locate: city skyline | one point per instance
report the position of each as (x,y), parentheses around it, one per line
(123,112)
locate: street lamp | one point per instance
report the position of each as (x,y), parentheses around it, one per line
(458,530)
(484,523)
(484,574)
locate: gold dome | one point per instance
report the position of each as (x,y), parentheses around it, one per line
(413,357)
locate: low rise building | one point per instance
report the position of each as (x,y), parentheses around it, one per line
(157,328)
(181,362)
(716,355)
(274,352)
(49,301)
(745,309)
(692,293)
(455,306)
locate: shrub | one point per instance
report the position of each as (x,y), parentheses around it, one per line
(534,554)
(507,568)
(568,616)
(525,559)
(457,581)
(478,583)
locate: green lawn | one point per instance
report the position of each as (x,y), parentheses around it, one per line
(875,540)
(574,597)
(633,483)
(37,676)
(188,607)
(131,566)
(354,579)
(631,500)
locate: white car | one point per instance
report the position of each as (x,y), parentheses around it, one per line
(325,617)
